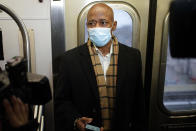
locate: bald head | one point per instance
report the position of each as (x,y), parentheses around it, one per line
(101,10)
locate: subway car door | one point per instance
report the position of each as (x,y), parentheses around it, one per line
(173,91)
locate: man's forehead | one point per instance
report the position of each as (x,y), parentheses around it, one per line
(99,15)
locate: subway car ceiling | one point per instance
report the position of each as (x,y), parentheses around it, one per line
(57,26)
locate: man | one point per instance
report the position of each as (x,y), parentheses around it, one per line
(100,83)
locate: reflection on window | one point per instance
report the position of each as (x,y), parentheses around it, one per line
(180,84)
(124,27)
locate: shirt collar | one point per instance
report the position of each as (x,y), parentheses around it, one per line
(99,52)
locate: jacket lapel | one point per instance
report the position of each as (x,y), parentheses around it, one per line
(121,71)
(88,70)
(121,74)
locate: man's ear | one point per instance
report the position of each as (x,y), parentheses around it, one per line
(114,26)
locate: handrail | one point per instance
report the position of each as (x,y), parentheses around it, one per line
(25,36)
(26,49)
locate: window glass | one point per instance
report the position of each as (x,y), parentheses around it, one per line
(124,27)
(180,84)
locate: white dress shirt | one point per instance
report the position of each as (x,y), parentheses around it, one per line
(105,60)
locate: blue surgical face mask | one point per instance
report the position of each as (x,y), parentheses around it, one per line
(100,36)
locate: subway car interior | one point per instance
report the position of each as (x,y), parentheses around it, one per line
(162,30)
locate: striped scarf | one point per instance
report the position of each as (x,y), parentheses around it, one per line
(107,89)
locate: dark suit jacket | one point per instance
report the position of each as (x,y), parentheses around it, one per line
(76,94)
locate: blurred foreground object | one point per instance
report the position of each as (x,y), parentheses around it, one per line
(182,28)
(33,89)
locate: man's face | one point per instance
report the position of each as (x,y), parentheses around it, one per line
(101,16)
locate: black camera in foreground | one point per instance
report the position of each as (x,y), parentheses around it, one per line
(31,88)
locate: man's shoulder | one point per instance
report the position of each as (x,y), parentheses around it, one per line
(75,51)
(128,50)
